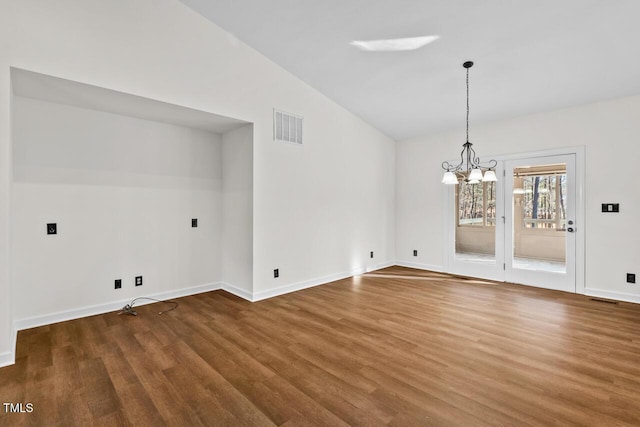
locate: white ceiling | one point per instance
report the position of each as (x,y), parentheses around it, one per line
(61,91)
(530,56)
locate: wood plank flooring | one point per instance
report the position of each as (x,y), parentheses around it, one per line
(396,347)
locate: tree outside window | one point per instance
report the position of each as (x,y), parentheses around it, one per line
(544,201)
(477,204)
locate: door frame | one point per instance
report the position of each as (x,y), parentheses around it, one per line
(553,280)
(450,265)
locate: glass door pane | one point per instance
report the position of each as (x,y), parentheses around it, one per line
(539,217)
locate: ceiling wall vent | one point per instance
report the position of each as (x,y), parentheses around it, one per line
(287,127)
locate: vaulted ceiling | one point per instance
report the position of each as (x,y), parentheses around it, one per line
(530,56)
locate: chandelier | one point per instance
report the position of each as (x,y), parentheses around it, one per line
(469,169)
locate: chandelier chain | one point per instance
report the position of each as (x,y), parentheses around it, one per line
(467,104)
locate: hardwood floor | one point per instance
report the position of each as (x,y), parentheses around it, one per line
(393,347)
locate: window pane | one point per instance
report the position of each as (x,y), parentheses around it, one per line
(470,204)
(476,217)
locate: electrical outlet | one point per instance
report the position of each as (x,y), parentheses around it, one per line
(194,222)
(276,273)
(371,254)
(138,280)
(611,207)
(118,284)
(631,278)
(415,252)
(52,228)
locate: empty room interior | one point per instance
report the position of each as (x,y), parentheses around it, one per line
(319,212)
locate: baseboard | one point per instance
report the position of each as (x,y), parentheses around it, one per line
(61,316)
(619,296)
(228,287)
(411,264)
(270,293)
(377,267)
(9,357)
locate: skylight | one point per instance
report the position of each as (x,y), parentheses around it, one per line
(394,45)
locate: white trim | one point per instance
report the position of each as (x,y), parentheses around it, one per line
(543,153)
(448,219)
(14,338)
(581,197)
(270,293)
(619,296)
(9,357)
(228,287)
(420,266)
(61,316)
(359,271)
(375,267)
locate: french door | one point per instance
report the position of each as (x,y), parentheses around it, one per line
(522,229)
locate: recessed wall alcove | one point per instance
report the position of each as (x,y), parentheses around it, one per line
(122,177)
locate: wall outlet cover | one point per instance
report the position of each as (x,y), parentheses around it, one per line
(631,278)
(138,280)
(415,252)
(194,222)
(118,284)
(276,273)
(52,228)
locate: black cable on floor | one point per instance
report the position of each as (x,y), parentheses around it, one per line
(128,309)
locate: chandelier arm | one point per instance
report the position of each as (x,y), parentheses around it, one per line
(462,157)
(492,164)
(449,167)
(476,161)
(472,159)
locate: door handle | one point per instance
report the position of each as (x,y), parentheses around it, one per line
(570,229)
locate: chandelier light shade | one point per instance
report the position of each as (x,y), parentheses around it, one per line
(450,178)
(470,169)
(490,176)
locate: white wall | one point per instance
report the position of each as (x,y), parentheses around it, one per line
(237,210)
(123,192)
(318,209)
(607,130)
(329,203)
